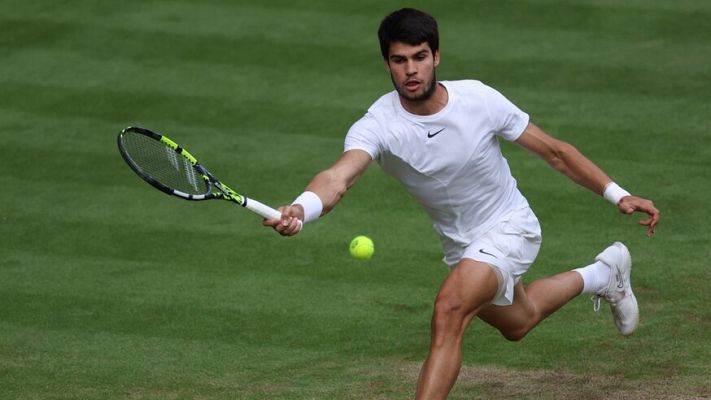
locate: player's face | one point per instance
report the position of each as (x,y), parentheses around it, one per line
(412,69)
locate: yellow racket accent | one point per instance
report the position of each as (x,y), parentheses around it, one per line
(182,151)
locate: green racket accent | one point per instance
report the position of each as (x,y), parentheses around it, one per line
(229,194)
(169,142)
(179,149)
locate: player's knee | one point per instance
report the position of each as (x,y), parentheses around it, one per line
(515,335)
(447,309)
(523,322)
(448,316)
(519,331)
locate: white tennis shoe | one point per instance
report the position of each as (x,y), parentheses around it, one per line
(618,292)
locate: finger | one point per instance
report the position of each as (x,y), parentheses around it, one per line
(626,209)
(270,222)
(653,215)
(275,222)
(283,225)
(293,228)
(279,225)
(650,223)
(288,224)
(296,226)
(653,224)
(650,229)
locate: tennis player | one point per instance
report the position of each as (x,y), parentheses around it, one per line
(440,139)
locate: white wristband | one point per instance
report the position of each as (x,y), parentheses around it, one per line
(614,193)
(312,205)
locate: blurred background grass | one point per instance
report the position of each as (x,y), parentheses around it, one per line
(110,289)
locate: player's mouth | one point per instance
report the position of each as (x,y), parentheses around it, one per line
(412,85)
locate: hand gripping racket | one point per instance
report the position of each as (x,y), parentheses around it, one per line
(171,169)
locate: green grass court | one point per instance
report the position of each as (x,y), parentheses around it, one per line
(112,290)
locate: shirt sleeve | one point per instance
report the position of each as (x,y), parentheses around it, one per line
(363,136)
(508,120)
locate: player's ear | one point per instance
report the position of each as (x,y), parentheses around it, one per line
(436,58)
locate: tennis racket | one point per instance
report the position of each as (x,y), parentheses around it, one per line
(172,170)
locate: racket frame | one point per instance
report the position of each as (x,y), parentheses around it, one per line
(222,191)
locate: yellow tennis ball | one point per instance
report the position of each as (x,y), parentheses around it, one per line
(362,247)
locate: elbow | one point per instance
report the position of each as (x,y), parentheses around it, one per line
(560,154)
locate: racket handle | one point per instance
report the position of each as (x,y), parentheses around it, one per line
(261,209)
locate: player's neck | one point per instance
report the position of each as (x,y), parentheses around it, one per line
(432,105)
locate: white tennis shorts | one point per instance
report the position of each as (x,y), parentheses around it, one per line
(511,247)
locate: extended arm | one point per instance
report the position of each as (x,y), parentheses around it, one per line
(568,160)
(329,185)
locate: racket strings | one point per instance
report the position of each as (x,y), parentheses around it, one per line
(163,164)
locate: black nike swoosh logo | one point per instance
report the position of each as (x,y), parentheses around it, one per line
(431,135)
(487,253)
(620,282)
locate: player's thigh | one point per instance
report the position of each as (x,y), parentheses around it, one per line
(469,287)
(510,318)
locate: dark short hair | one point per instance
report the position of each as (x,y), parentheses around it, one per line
(408,26)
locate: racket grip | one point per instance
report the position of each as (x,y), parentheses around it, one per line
(261,209)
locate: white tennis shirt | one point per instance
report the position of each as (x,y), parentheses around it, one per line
(451,161)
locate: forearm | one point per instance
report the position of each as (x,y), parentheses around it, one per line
(568,160)
(573,164)
(329,188)
(565,158)
(321,195)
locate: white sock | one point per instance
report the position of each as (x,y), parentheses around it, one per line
(595,277)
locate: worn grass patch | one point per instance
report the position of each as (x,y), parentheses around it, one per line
(488,382)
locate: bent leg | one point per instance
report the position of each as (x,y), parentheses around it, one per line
(532,304)
(469,288)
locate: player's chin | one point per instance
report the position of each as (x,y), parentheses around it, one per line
(414,95)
